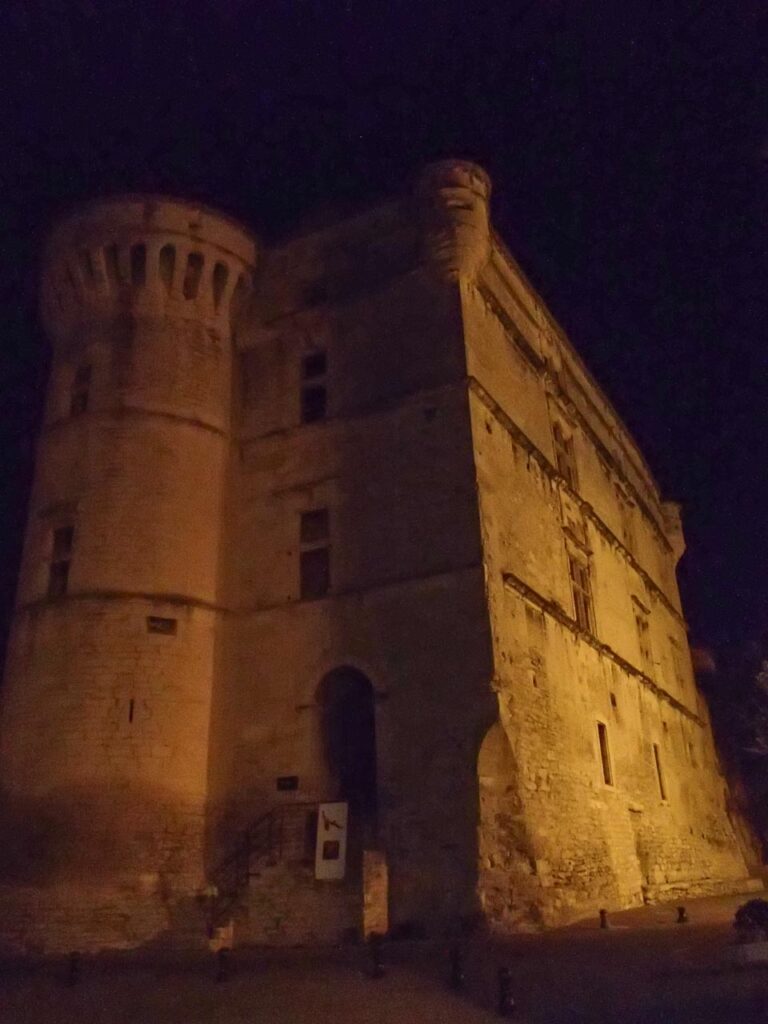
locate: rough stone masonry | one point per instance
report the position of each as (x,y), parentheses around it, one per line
(346,518)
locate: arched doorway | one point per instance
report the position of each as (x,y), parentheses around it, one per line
(348,723)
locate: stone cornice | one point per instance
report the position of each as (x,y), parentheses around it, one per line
(546,466)
(554,610)
(539,366)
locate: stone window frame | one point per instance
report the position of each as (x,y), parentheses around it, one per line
(626,505)
(565,451)
(580,580)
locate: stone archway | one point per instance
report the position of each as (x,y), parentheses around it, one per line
(348,725)
(504,849)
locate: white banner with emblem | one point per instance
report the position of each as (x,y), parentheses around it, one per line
(331,847)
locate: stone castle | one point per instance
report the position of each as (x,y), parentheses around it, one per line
(341,520)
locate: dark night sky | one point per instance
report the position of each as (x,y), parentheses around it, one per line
(627,142)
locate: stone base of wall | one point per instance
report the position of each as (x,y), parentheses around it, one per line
(701,887)
(77,917)
(285,905)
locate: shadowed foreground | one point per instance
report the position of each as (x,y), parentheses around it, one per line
(645,968)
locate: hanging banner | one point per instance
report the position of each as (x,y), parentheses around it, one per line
(331,848)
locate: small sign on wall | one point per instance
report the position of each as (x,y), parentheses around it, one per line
(331,847)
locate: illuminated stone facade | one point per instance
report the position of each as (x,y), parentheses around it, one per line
(341,518)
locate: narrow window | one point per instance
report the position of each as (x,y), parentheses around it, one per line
(625,514)
(315,555)
(677,663)
(138,264)
(314,367)
(581,589)
(61,556)
(220,275)
(192,275)
(644,640)
(81,388)
(167,265)
(158,624)
(659,771)
(565,456)
(605,756)
(131,706)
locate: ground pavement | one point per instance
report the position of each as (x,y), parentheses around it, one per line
(644,969)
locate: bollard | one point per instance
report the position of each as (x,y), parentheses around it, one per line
(506,1004)
(682,915)
(222,964)
(456,977)
(603,918)
(374,951)
(73,969)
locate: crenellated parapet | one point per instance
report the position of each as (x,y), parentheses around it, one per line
(454,200)
(146,256)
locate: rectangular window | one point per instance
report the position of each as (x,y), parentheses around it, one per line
(61,556)
(314,367)
(644,640)
(315,554)
(158,624)
(627,526)
(605,755)
(582,593)
(659,771)
(565,457)
(81,386)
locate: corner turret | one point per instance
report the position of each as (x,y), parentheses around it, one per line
(454,199)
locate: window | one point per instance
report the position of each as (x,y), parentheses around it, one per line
(61,556)
(677,663)
(625,513)
(81,387)
(605,755)
(314,367)
(644,640)
(582,593)
(315,554)
(659,771)
(565,456)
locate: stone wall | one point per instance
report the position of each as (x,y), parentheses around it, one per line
(559,838)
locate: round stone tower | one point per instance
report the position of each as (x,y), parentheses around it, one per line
(104,729)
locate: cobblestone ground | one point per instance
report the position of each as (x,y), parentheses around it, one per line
(645,969)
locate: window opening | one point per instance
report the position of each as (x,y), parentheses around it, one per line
(61,557)
(644,640)
(167,265)
(138,264)
(605,756)
(659,771)
(131,705)
(192,275)
(582,593)
(220,276)
(315,555)
(565,456)
(314,367)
